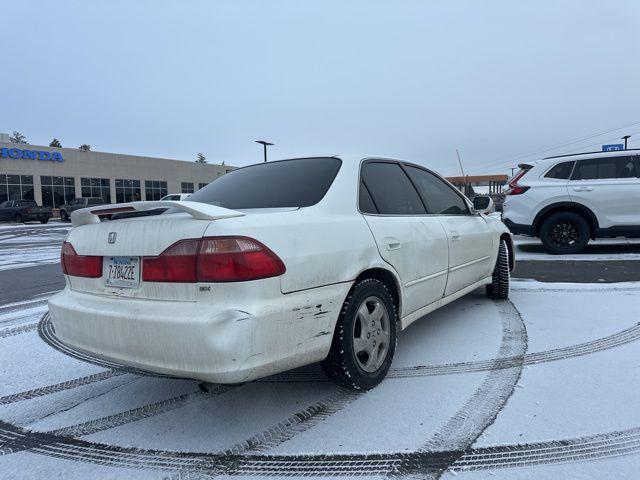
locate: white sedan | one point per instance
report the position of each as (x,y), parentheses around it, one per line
(275,266)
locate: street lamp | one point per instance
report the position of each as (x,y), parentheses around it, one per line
(625,138)
(264,144)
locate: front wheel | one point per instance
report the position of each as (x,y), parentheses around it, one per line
(498,289)
(64,216)
(364,340)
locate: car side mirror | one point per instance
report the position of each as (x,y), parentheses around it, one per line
(482,204)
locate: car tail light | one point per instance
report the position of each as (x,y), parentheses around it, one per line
(176,264)
(514,188)
(213,259)
(28,210)
(88,266)
(236,259)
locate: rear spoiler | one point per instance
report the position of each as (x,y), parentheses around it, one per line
(199,211)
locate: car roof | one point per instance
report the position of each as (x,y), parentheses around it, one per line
(599,154)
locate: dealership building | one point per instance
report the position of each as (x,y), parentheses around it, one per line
(52,176)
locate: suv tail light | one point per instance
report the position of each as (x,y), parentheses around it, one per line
(87,266)
(514,188)
(213,259)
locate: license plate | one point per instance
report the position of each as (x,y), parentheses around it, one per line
(123,272)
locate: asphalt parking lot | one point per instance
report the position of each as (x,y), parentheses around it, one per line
(541,386)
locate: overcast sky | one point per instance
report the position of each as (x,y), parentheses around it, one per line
(411,79)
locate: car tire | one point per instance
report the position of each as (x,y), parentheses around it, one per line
(18,218)
(361,352)
(64,216)
(564,233)
(498,289)
(44,221)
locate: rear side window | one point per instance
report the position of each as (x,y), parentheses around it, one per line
(391,190)
(366,202)
(288,183)
(440,198)
(603,168)
(561,171)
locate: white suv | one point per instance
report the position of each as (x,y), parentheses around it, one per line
(567,200)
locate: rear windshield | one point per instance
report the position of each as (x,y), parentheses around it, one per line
(26,203)
(287,183)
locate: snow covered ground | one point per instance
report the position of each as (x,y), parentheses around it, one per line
(31,244)
(543,386)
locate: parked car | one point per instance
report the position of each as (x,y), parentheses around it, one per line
(77,204)
(275,266)
(570,199)
(176,196)
(24,211)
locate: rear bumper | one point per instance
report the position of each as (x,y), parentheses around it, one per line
(214,342)
(518,228)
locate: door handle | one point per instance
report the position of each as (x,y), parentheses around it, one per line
(582,189)
(392,243)
(455,235)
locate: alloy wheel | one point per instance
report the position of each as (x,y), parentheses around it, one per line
(565,233)
(371,334)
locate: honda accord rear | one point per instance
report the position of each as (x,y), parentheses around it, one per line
(212,288)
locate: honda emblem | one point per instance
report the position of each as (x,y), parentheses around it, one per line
(112,237)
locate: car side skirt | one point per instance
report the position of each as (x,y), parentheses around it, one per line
(412,317)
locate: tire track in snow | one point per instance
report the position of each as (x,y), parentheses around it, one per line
(9,332)
(481,410)
(59,387)
(599,446)
(296,424)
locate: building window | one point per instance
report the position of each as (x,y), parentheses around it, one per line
(16,187)
(154,189)
(202,185)
(127,190)
(96,187)
(57,191)
(187,187)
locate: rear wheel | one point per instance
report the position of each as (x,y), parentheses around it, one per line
(64,216)
(44,221)
(564,233)
(365,337)
(18,218)
(498,289)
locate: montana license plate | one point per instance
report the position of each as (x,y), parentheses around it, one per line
(123,272)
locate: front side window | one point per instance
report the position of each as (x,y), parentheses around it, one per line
(300,182)
(561,171)
(605,168)
(391,190)
(441,199)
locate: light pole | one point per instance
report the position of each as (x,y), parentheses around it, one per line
(625,138)
(264,144)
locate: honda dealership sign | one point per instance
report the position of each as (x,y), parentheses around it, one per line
(21,154)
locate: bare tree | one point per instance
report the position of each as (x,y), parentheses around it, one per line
(84,147)
(200,158)
(55,143)
(17,137)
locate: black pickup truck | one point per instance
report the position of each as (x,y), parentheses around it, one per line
(24,211)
